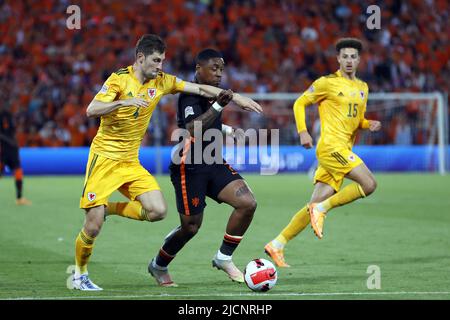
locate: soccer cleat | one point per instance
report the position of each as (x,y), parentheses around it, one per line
(161,276)
(23,202)
(83,283)
(317,219)
(277,255)
(229,268)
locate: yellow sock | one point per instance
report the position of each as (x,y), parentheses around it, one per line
(131,210)
(83,250)
(346,195)
(298,222)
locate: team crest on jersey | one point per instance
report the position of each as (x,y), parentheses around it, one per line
(91,196)
(351,158)
(151,92)
(362,94)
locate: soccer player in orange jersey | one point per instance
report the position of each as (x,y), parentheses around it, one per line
(342,100)
(125,104)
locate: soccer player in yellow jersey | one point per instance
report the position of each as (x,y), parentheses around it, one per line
(342,100)
(125,104)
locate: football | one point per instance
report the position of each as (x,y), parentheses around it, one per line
(260,275)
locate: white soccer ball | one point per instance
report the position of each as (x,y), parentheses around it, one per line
(260,275)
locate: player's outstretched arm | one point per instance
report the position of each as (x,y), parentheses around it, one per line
(98,108)
(212,92)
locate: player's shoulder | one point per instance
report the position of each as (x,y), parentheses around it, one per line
(122,71)
(190,99)
(331,75)
(327,77)
(190,96)
(362,83)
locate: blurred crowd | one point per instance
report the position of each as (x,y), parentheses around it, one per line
(49,73)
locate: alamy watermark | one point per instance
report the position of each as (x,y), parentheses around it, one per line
(374,20)
(262,148)
(374,280)
(74,20)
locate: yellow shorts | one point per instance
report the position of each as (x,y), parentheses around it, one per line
(104,176)
(334,165)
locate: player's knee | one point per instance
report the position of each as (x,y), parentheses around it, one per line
(191,229)
(249,205)
(94,221)
(370,186)
(157,212)
(92,229)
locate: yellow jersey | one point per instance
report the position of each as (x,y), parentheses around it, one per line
(342,104)
(121,131)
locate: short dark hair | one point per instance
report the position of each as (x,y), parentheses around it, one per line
(349,43)
(150,43)
(207,54)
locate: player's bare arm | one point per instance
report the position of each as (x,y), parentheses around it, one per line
(207,119)
(212,92)
(98,108)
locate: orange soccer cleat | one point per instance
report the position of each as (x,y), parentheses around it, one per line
(277,255)
(317,219)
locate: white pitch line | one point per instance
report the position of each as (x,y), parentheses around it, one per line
(164,295)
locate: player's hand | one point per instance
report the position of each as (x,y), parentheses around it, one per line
(374,125)
(246,103)
(306,140)
(135,102)
(224,97)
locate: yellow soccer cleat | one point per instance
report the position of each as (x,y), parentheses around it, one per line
(317,219)
(277,255)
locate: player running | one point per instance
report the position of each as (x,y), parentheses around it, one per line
(194,182)
(125,104)
(9,152)
(342,100)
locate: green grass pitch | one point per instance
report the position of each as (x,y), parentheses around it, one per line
(403,228)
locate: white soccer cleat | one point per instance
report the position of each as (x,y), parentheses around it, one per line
(161,276)
(229,268)
(83,283)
